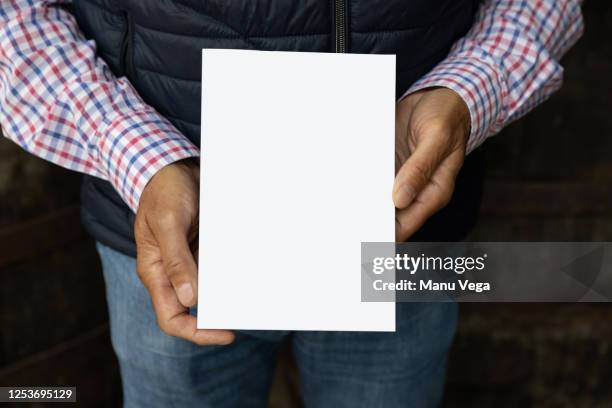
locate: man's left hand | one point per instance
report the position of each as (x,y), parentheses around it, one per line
(431,130)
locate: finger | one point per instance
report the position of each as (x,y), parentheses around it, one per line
(179,263)
(416,172)
(410,220)
(434,196)
(173,318)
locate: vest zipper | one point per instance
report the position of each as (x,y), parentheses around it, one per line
(340,17)
(126,62)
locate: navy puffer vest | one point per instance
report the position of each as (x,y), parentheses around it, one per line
(157,45)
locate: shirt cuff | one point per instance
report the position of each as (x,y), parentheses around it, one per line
(479,84)
(138,145)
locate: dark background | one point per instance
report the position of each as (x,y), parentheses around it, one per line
(549,179)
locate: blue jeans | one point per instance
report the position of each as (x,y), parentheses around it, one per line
(337,369)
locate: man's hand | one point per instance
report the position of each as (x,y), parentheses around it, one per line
(166,230)
(431,131)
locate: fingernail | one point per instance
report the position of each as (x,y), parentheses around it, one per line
(185,294)
(404,195)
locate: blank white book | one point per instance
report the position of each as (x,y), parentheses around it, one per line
(297,170)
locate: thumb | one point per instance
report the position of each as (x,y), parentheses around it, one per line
(416,172)
(179,263)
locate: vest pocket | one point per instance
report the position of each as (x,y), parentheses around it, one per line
(126,57)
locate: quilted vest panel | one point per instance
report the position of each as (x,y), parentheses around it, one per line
(157,45)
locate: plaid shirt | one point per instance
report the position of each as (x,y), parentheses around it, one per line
(61,102)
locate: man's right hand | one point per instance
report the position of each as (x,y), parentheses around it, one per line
(166,230)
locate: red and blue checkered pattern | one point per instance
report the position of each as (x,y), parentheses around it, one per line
(508,63)
(59,101)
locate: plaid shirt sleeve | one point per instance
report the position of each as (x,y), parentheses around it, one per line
(62,103)
(508,63)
